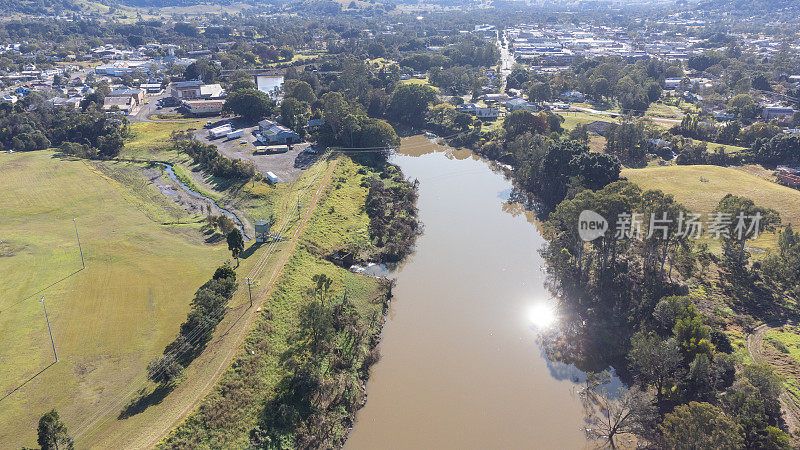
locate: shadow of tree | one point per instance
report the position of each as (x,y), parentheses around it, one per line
(145,400)
(250,250)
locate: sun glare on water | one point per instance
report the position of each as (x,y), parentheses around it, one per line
(542,315)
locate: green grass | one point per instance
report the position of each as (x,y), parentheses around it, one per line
(729,149)
(700,189)
(787,340)
(144,259)
(574,118)
(664,111)
(790,341)
(150,140)
(226,416)
(740,352)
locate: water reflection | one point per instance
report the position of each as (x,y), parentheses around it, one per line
(462,363)
(542,315)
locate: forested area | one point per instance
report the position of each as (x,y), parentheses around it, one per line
(87,132)
(631,305)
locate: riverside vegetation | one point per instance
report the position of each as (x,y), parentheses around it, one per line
(299,379)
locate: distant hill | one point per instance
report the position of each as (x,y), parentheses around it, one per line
(166,3)
(39,7)
(748,7)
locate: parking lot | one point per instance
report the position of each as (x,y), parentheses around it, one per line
(287,166)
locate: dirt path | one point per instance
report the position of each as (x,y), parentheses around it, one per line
(789,405)
(175,415)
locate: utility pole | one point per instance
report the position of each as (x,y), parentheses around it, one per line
(249,291)
(298,206)
(48,328)
(83,263)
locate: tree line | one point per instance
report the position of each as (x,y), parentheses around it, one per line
(208,158)
(31,124)
(629,304)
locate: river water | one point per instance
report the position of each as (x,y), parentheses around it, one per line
(461,365)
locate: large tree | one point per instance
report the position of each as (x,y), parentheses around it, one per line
(700,425)
(519,122)
(409,102)
(612,417)
(736,220)
(235,243)
(53,433)
(655,362)
(251,104)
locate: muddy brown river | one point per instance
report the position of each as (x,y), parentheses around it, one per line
(461,366)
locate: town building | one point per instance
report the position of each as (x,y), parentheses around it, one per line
(273,133)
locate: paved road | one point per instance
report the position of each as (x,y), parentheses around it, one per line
(506,58)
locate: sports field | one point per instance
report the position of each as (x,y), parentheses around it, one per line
(144,259)
(700,189)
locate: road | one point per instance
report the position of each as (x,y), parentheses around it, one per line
(506,58)
(195,390)
(789,406)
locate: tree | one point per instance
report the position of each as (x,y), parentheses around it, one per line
(626,141)
(300,90)
(760,82)
(186,29)
(166,369)
(235,243)
(251,104)
(522,121)
(700,426)
(769,386)
(202,69)
(743,402)
(656,362)
(294,114)
(53,433)
(630,412)
(540,92)
(409,102)
(286,53)
(738,219)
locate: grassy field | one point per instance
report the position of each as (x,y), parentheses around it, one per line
(150,140)
(262,263)
(664,111)
(573,118)
(700,188)
(226,416)
(144,258)
(729,149)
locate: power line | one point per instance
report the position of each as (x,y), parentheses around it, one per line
(48,328)
(195,334)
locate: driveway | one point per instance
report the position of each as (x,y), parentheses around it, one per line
(287,166)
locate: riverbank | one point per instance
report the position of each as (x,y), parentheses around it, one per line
(461,365)
(299,378)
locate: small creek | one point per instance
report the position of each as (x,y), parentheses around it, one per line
(171,174)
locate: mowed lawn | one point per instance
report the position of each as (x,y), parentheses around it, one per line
(700,189)
(108,320)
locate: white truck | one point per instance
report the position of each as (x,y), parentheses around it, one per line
(218,132)
(235,134)
(272,178)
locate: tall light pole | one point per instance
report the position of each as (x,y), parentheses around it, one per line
(249,292)
(41,300)
(79,243)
